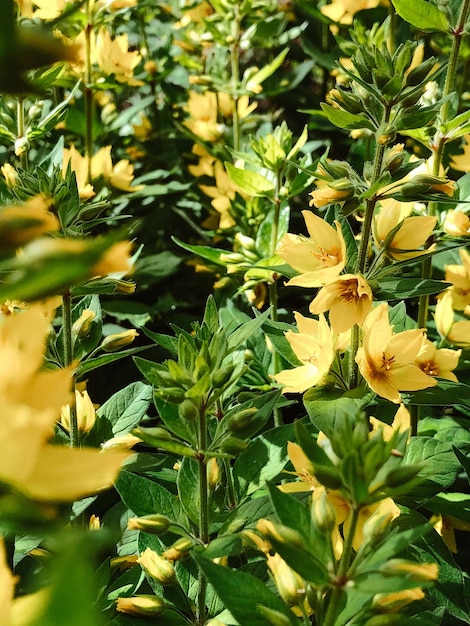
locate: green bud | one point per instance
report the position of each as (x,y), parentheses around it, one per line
(220,377)
(384,620)
(402,475)
(276,618)
(171,394)
(116,341)
(322,512)
(240,420)
(420,73)
(179,550)
(154,524)
(328,476)
(188,410)
(233,445)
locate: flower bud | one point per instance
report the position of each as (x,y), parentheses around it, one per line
(21,146)
(155,524)
(290,585)
(171,394)
(420,572)
(276,618)
(157,567)
(82,326)
(323,513)
(280,533)
(241,419)
(116,341)
(394,602)
(179,550)
(188,410)
(85,412)
(10,175)
(140,605)
(220,377)
(233,445)
(402,475)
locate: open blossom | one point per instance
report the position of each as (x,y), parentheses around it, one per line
(113,57)
(348,298)
(386,360)
(459,276)
(314,346)
(320,257)
(402,237)
(437,362)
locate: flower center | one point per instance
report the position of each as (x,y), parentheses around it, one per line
(327,258)
(431,368)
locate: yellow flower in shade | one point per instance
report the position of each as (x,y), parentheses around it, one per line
(437,362)
(402,237)
(401,422)
(203,113)
(205,165)
(113,57)
(114,342)
(459,276)
(140,605)
(343,11)
(386,360)
(116,260)
(22,223)
(143,130)
(457,333)
(421,572)
(446,525)
(222,195)
(86,415)
(348,299)
(461,162)
(318,258)
(394,602)
(314,346)
(373,519)
(456,223)
(120,175)
(10,175)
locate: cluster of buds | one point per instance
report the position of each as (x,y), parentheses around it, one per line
(338,183)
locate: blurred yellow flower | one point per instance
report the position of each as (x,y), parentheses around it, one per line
(461,162)
(113,57)
(457,333)
(320,257)
(202,109)
(459,276)
(386,360)
(437,362)
(10,175)
(348,299)
(21,223)
(115,260)
(48,9)
(343,11)
(401,237)
(314,346)
(222,194)
(456,223)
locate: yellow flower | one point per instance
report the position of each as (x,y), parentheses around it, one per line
(320,257)
(328,193)
(314,346)
(116,260)
(461,162)
(401,422)
(348,299)
(291,586)
(48,9)
(421,572)
(114,342)
(22,223)
(394,602)
(373,518)
(437,362)
(222,195)
(456,223)
(157,567)
(143,130)
(10,175)
(401,237)
(86,415)
(31,403)
(113,57)
(459,276)
(140,605)
(386,360)
(203,112)
(445,525)
(457,333)
(343,11)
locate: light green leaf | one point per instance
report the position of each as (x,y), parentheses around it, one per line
(266,71)
(127,407)
(344,119)
(252,183)
(422,15)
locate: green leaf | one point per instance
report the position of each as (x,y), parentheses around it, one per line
(169,415)
(145,497)
(422,15)
(225,545)
(264,459)
(394,288)
(105,359)
(127,407)
(241,334)
(464,460)
(328,409)
(344,119)
(268,69)
(188,488)
(440,466)
(242,594)
(455,504)
(205,252)
(447,393)
(252,183)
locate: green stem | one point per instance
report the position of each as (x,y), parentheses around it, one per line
(88,91)
(68,359)
(361,261)
(203,512)
(334,604)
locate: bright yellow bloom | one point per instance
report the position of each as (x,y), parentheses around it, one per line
(456,223)
(437,362)
(314,346)
(457,333)
(401,422)
(386,360)
(48,9)
(320,257)
(401,237)
(459,276)
(445,525)
(203,112)
(86,414)
(348,299)
(222,194)
(113,57)
(143,130)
